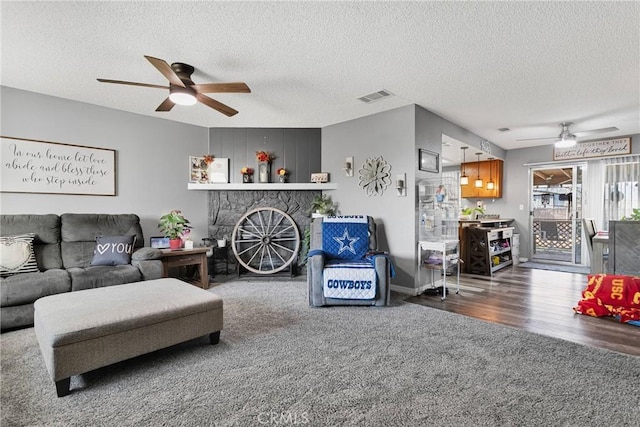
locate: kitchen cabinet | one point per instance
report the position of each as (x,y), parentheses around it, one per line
(488,169)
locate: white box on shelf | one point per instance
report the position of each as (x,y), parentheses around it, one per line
(219,170)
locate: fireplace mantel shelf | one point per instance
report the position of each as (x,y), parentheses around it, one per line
(258,186)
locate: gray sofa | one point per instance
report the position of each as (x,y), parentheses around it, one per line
(64,247)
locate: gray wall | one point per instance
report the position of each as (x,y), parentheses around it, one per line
(297,150)
(390,134)
(395,135)
(152,158)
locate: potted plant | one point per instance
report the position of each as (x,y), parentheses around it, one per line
(282,174)
(174,226)
(471,213)
(264,165)
(247,174)
(322,205)
(635,215)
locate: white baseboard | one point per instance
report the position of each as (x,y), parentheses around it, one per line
(415,291)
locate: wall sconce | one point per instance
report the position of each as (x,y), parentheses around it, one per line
(490,184)
(401,185)
(348,166)
(478,179)
(464,179)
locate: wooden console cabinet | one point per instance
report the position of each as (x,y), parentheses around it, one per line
(487,250)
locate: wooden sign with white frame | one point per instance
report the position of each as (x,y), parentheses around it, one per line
(591,149)
(34,166)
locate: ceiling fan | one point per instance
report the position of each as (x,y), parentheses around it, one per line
(183,91)
(567,139)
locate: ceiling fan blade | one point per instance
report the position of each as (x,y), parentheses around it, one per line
(166,70)
(222,87)
(121,82)
(224,109)
(166,105)
(535,139)
(595,131)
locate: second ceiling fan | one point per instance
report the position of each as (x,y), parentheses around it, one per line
(183,91)
(567,139)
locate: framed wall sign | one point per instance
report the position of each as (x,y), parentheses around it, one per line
(33,166)
(594,149)
(428,161)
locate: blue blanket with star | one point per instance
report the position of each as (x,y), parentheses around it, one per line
(347,274)
(345,237)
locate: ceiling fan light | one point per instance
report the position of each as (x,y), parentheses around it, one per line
(182,95)
(565,142)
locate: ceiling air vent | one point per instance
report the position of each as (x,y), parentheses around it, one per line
(375,96)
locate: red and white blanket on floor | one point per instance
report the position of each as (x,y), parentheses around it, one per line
(611,295)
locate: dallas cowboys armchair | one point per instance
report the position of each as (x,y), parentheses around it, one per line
(344,267)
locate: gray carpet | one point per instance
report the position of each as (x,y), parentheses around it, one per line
(280,362)
(555,267)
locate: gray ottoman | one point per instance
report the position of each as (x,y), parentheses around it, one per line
(85,330)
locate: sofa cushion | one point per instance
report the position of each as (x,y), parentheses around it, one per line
(113,250)
(28,287)
(46,229)
(100,276)
(79,231)
(16,255)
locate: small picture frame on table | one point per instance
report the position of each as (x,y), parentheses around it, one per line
(428,161)
(159,242)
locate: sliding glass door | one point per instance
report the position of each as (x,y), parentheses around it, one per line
(556,213)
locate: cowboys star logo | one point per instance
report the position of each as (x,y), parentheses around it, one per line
(346,242)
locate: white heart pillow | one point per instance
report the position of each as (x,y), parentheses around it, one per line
(16,255)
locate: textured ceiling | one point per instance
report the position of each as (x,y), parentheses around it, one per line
(484,65)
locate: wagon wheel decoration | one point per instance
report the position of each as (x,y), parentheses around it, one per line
(265,240)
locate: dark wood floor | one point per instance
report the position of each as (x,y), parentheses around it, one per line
(538,301)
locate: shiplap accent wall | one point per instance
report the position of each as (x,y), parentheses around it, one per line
(298,150)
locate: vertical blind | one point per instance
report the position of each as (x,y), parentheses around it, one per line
(621,190)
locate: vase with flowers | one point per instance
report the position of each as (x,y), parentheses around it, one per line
(282,175)
(264,165)
(247,174)
(175,227)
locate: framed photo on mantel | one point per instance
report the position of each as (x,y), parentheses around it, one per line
(428,161)
(208,169)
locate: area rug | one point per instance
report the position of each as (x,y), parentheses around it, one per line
(280,362)
(555,267)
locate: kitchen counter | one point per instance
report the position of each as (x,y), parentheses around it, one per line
(496,222)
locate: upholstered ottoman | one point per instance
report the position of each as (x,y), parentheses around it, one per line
(85,330)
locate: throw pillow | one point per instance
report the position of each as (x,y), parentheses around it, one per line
(113,250)
(16,255)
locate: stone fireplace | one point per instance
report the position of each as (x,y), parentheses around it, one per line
(226,208)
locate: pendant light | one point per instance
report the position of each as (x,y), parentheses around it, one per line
(478,180)
(464,179)
(490,184)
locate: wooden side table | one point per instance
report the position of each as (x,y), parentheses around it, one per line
(183,257)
